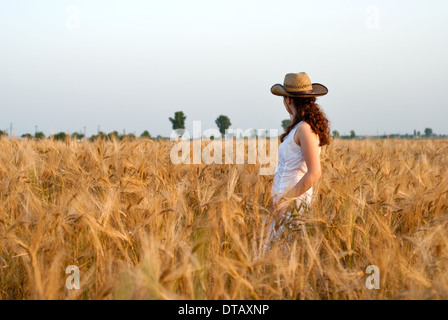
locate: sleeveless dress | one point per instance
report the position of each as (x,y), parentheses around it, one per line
(290,169)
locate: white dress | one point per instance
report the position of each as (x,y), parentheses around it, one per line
(290,169)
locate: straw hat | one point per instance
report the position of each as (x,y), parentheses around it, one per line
(299,85)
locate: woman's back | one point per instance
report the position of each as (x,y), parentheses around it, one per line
(291,166)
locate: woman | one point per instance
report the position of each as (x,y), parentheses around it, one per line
(299,152)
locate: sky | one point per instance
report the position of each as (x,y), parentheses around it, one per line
(129,65)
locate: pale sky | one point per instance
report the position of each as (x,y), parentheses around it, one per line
(131,64)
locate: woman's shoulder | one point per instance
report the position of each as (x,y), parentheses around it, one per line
(298,125)
(303,128)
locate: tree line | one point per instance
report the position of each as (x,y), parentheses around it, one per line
(428,133)
(38,135)
(222,122)
(178,122)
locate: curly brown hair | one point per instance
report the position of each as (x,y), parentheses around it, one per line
(311,113)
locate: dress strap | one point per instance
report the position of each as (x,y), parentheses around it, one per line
(295,128)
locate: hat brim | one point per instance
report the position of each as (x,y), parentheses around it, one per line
(318,90)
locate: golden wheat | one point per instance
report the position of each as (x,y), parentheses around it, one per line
(140,227)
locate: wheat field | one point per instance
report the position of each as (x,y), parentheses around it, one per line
(141,227)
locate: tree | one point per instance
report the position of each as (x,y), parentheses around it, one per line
(335,134)
(179,120)
(145,134)
(39,135)
(27,135)
(3,133)
(428,132)
(100,135)
(77,135)
(60,136)
(352,134)
(285,123)
(223,123)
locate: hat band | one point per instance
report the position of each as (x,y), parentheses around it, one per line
(300,92)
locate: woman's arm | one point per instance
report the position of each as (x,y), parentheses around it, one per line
(307,139)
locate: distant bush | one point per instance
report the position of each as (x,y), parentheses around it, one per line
(60,136)
(77,135)
(100,135)
(39,135)
(145,134)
